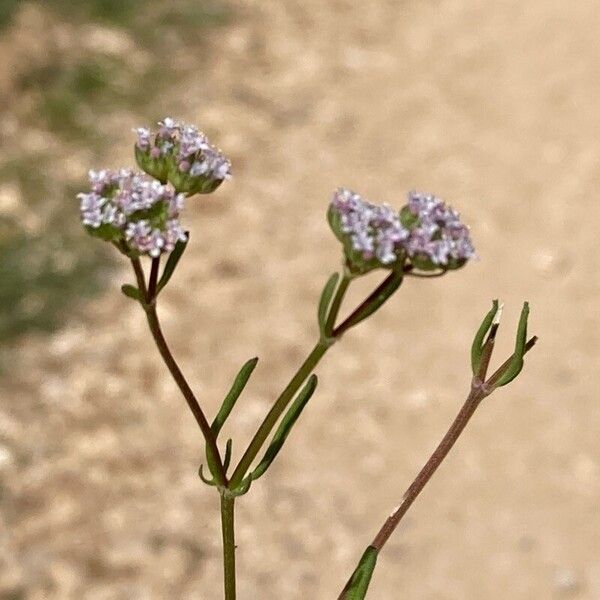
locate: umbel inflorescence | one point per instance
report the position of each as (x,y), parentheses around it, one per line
(183,155)
(132,209)
(139,212)
(426,232)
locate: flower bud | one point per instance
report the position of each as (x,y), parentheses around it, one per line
(132,210)
(183,155)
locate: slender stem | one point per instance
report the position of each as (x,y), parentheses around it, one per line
(227,527)
(337,303)
(153,281)
(276,411)
(348,322)
(139,275)
(213,455)
(431,466)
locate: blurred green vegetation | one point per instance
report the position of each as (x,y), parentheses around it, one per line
(47,269)
(130,14)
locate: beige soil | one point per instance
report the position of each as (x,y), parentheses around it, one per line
(492,105)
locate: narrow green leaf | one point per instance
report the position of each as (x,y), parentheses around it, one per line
(172,261)
(516,364)
(325,300)
(478,340)
(234,393)
(356,588)
(132,292)
(286,426)
(227,406)
(227,458)
(204,478)
(243,488)
(374,302)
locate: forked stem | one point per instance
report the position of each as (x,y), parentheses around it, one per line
(152,316)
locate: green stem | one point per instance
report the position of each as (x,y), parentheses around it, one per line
(228,529)
(213,455)
(153,280)
(276,411)
(260,437)
(336,304)
(350,320)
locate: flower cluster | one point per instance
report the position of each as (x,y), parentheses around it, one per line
(375,232)
(437,237)
(132,209)
(183,155)
(426,231)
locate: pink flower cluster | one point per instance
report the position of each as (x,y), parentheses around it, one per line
(433,231)
(134,208)
(193,152)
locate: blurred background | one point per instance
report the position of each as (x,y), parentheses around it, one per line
(492,106)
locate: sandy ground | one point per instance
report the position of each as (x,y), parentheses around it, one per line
(493,106)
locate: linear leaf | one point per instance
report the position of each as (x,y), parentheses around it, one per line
(286,426)
(516,364)
(132,292)
(325,300)
(227,459)
(356,588)
(478,340)
(172,261)
(234,393)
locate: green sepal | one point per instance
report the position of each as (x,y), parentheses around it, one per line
(423,263)
(172,262)
(325,301)
(157,215)
(408,218)
(155,167)
(132,292)
(106,232)
(234,393)
(191,184)
(479,339)
(376,300)
(286,426)
(358,585)
(516,364)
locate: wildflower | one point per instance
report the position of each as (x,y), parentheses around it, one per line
(133,210)
(183,155)
(427,233)
(438,238)
(372,234)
